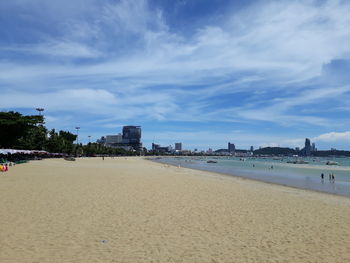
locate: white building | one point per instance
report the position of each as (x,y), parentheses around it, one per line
(111,140)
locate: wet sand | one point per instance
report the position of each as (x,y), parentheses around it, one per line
(133,210)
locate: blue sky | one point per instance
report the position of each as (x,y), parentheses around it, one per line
(261,73)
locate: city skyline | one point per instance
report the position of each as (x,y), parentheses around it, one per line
(116,140)
(204,73)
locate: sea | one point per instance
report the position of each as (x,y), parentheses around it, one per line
(276,170)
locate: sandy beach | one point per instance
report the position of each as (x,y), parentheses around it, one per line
(134,210)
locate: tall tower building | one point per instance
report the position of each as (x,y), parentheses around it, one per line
(178,146)
(313,147)
(307,148)
(231,147)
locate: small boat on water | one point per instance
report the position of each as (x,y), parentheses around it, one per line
(211,161)
(331,163)
(298,162)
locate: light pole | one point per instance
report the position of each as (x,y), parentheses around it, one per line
(77,128)
(89,138)
(40,110)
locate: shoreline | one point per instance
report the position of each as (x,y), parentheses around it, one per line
(255,180)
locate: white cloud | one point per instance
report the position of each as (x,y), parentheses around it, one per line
(66,49)
(140,67)
(289,40)
(334,137)
(56,49)
(83,100)
(286,110)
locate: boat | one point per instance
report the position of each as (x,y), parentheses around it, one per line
(277,158)
(298,162)
(331,163)
(211,161)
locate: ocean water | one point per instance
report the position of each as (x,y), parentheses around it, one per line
(278,171)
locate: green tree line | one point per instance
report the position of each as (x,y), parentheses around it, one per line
(23,132)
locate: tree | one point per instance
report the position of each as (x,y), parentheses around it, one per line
(53,143)
(15,128)
(61,142)
(34,139)
(67,136)
(29,133)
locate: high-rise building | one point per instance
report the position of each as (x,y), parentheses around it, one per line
(307,148)
(231,148)
(313,147)
(178,146)
(155,146)
(251,148)
(132,136)
(101,141)
(129,140)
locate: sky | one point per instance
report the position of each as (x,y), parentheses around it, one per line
(200,72)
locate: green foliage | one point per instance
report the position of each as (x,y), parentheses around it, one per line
(16,129)
(34,139)
(67,136)
(61,142)
(29,133)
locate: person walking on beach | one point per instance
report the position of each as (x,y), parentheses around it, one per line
(333,177)
(322,177)
(330,177)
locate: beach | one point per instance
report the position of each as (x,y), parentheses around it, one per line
(134,210)
(303,176)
